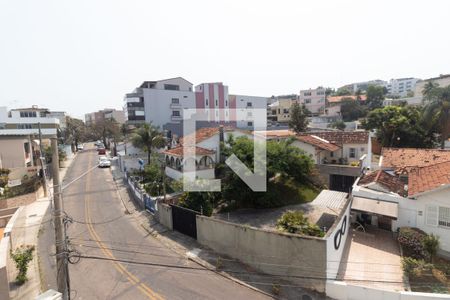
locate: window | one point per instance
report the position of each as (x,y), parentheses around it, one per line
(352,153)
(28,114)
(444,216)
(308,101)
(172,87)
(217,103)
(207,102)
(176,113)
(331,154)
(175,101)
(226,102)
(320,92)
(362,149)
(285,111)
(42,114)
(249,124)
(185,96)
(249,104)
(24,126)
(307,94)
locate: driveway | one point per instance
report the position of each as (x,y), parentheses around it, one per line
(372,259)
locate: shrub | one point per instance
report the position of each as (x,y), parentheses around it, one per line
(198,201)
(412,266)
(431,245)
(295,222)
(22,256)
(411,240)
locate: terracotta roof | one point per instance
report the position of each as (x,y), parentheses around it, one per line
(318,142)
(205,133)
(344,137)
(428,178)
(338,99)
(404,159)
(178,151)
(386,180)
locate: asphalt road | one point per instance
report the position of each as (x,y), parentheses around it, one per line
(123,255)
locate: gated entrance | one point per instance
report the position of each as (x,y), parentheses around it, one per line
(341,183)
(184,220)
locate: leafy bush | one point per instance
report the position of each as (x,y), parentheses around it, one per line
(198,201)
(412,266)
(431,245)
(295,222)
(22,256)
(4,177)
(411,240)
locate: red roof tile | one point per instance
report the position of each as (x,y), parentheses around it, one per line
(205,133)
(178,151)
(404,159)
(318,142)
(428,178)
(343,137)
(386,180)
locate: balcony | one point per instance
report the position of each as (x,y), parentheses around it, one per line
(175,105)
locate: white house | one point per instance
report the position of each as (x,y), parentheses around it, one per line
(207,152)
(411,189)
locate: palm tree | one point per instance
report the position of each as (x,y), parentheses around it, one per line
(437,111)
(146,138)
(428,89)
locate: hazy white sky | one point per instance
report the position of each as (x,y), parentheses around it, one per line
(84,55)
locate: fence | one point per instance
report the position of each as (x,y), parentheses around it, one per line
(143,199)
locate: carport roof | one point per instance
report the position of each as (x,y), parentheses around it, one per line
(384,208)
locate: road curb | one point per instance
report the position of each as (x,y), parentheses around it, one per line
(204,264)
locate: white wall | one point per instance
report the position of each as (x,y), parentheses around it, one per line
(334,255)
(202,174)
(242,117)
(309,149)
(158,105)
(342,291)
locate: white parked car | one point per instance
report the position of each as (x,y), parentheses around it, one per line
(104,162)
(80,147)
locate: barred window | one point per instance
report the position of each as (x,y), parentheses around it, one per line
(444,216)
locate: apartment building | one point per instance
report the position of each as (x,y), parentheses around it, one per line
(19,138)
(159,102)
(441,80)
(313,100)
(401,87)
(279,111)
(104,114)
(162,103)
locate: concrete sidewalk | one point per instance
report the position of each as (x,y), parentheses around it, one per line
(185,246)
(26,231)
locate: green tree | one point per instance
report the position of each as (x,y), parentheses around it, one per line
(285,162)
(299,119)
(437,111)
(343,91)
(198,201)
(352,110)
(74,133)
(400,126)
(146,138)
(375,96)
(337,125)
(429,90)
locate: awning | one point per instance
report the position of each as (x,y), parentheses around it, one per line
(384,208)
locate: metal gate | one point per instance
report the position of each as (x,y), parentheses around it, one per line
(184,220)
(341,183)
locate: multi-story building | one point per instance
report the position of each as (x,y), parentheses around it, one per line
(162,103)
(442,81)
(313,100)
(159,102)
(279,111)
(104,114)
(61,116)
(20,140)
(401,86)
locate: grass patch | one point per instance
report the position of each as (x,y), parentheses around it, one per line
(433,279)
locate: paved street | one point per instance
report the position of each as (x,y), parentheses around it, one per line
(127,254)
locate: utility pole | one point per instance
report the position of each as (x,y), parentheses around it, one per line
(42,162)
(61,253)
